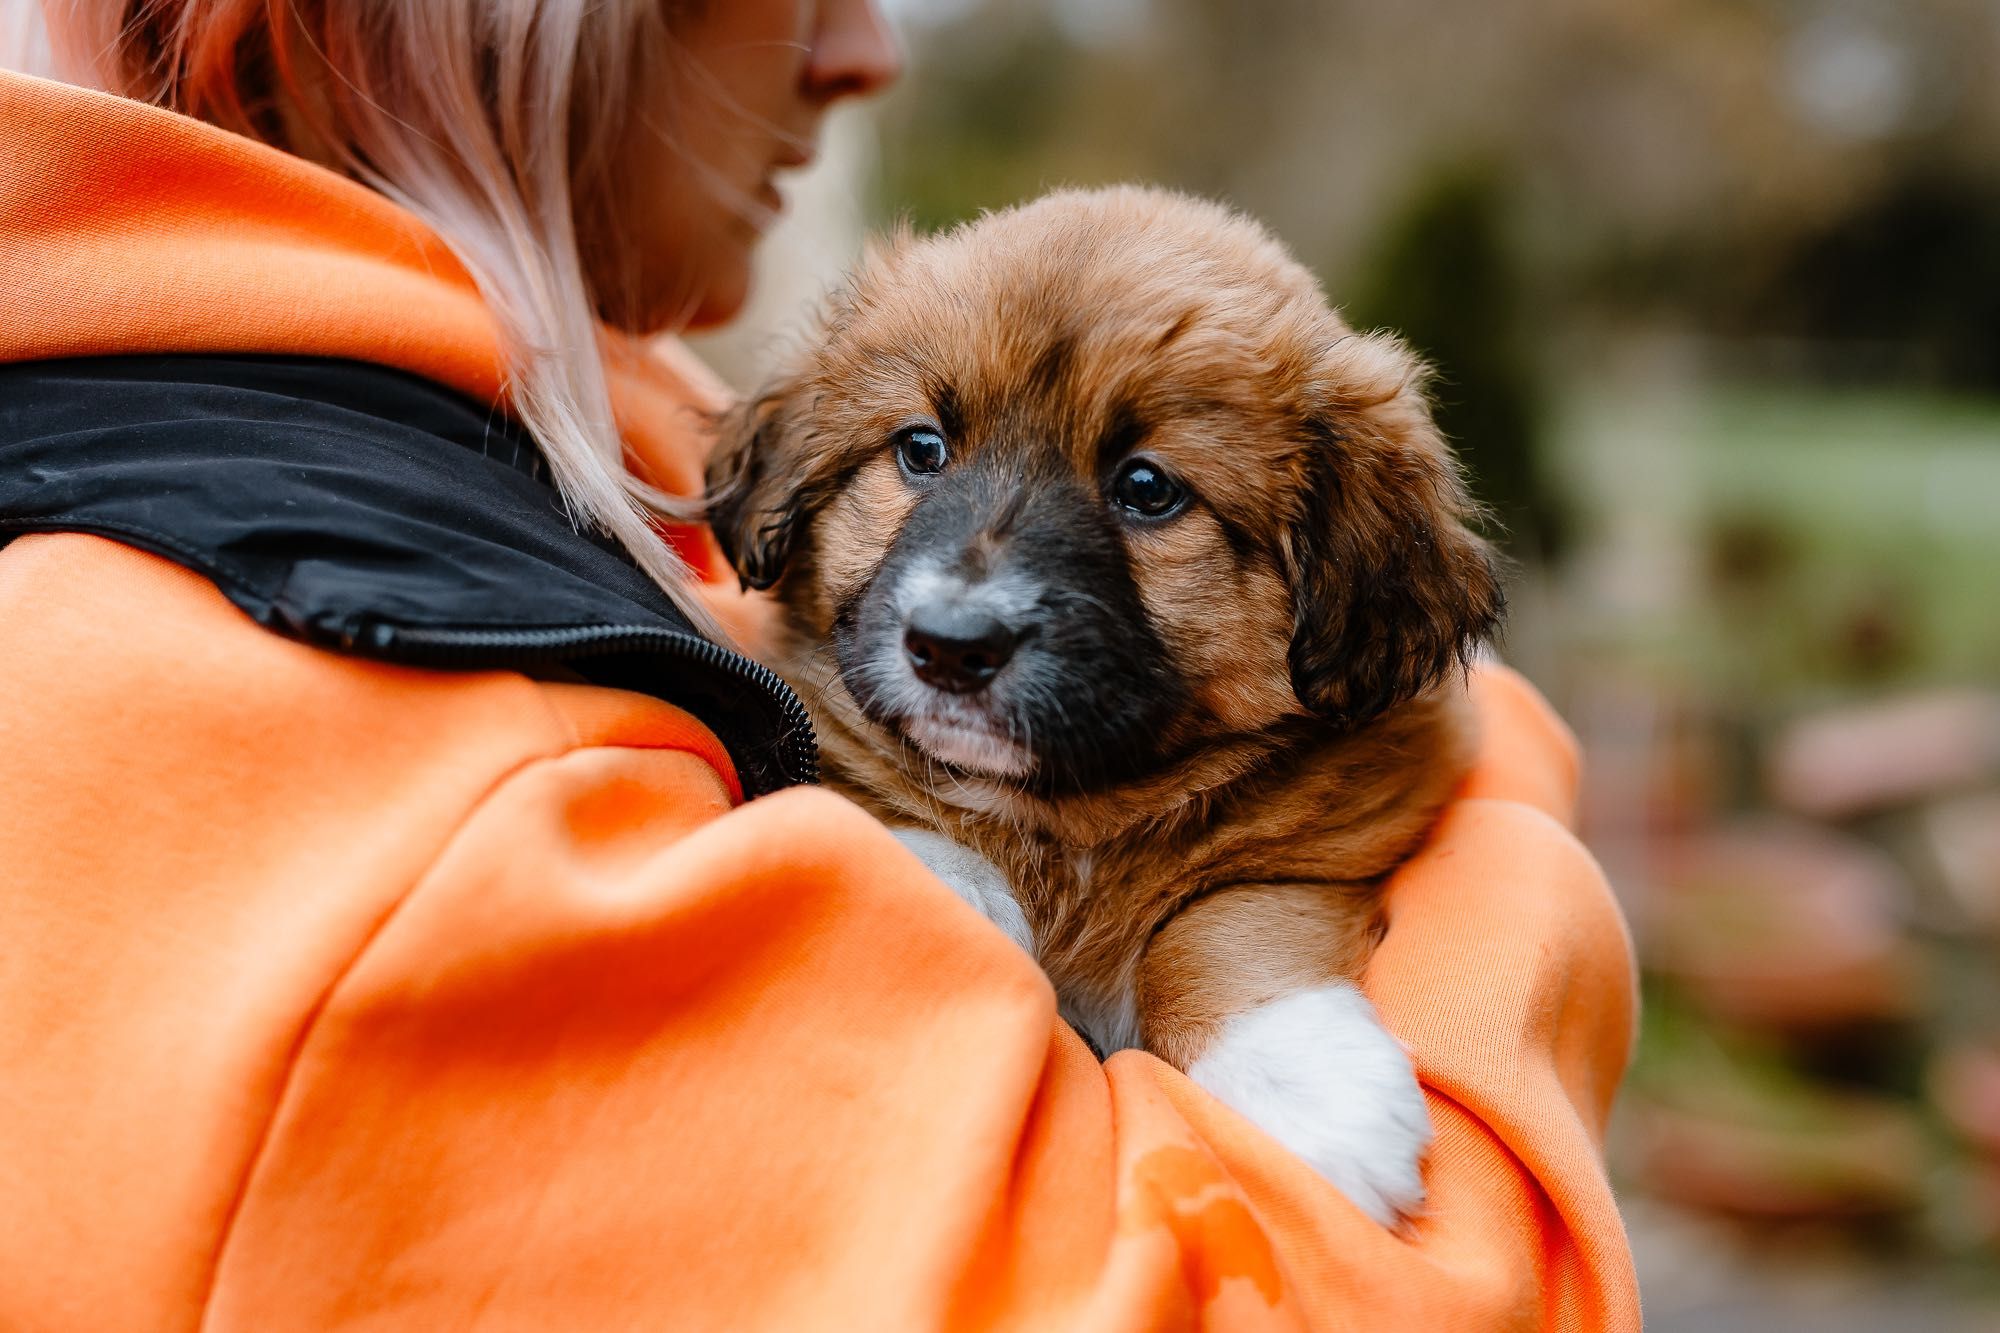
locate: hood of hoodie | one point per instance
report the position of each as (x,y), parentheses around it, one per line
(128,229)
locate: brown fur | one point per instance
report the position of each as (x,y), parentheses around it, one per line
(1318,600)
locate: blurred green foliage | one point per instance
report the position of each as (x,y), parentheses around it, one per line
(1445,276)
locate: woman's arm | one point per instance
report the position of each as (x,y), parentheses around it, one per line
(604,1067)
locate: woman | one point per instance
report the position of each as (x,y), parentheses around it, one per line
(389,938)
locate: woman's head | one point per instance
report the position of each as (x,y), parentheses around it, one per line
(587,159)
(674,114)
(738,97)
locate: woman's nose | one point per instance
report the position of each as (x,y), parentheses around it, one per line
(855,52)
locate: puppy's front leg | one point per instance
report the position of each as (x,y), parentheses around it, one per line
(1248,992)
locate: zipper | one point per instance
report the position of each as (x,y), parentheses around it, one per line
(798,752)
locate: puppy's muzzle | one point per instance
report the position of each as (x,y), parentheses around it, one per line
(957,648)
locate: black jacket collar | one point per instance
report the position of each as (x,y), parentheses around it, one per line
(365,510)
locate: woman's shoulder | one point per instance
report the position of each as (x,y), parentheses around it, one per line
(161,401)
(372,513)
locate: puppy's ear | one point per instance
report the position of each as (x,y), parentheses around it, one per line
(771,469)
(759,482)
(1391,588)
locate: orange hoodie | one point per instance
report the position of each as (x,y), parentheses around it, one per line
(347,995)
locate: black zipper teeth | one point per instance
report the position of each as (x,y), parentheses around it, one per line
(529,647)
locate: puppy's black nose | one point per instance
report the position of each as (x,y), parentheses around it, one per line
(955,648)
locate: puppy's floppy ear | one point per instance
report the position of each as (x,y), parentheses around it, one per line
(771,469)
(757,484)
(1391,588)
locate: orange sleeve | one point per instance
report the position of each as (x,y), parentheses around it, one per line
(618,1060)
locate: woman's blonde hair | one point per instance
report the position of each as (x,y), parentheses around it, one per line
(492,120)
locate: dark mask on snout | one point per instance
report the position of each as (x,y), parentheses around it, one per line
(1006,605)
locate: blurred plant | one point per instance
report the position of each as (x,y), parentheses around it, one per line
(1444,275)
(968,134)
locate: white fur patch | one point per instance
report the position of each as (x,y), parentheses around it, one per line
(975,746)
(1317,1072)
(973,878)
(1009,595)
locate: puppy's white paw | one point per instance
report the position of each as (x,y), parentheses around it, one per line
(1317,1072)
(973,878)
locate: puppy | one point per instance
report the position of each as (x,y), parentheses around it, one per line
(1135,589)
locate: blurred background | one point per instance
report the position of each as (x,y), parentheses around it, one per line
(1713,288)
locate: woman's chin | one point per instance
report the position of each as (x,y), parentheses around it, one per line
(719,306)
(674,308)
(725,280)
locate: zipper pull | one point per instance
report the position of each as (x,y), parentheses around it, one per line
(366,634)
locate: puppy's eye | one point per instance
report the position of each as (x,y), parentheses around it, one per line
(1147,489)
(920,450)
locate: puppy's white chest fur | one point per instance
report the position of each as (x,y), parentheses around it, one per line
(973,878)
(1110,1020)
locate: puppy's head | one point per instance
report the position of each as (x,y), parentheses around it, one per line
(1081,485)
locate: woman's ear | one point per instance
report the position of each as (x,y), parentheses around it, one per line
(1391,588)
